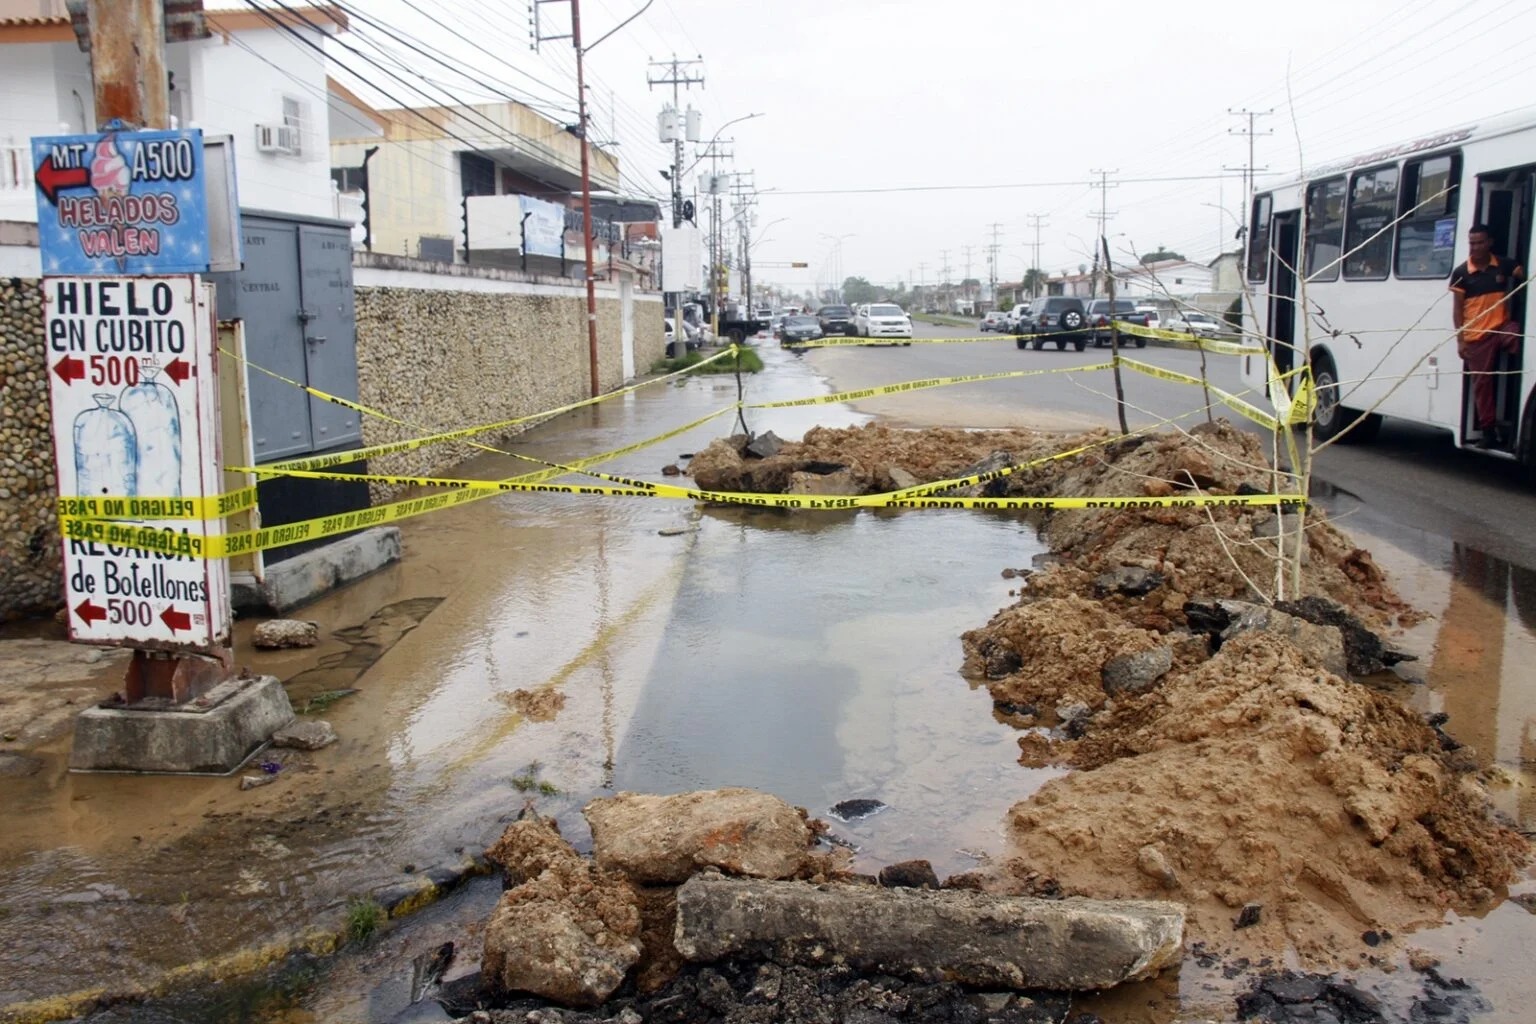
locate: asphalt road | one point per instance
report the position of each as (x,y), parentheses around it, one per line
(1411,484)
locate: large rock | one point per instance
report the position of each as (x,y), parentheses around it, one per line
(568,932)
(661,840)
(952,935)
(1135,673)
(276,633)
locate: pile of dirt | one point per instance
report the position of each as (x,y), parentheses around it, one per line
(1239,778)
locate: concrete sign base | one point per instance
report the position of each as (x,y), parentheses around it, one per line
(212,735)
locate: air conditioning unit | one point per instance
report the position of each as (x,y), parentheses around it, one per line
(278,138)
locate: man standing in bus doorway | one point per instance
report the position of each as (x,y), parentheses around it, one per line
(1481,313)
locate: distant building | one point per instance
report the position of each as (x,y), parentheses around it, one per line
(1162,279)
(420,165)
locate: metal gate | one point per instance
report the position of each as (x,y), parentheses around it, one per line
(295,296)
(296,299)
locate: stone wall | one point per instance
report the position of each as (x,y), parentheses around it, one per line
(445,357)
(29,537)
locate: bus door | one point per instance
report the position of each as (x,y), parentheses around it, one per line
(1505,202)
(1285,242)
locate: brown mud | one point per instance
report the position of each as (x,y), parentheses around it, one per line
(1246,776)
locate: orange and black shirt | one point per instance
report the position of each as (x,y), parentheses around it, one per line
(1485,290)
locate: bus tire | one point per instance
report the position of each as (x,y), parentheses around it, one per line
(1329,418)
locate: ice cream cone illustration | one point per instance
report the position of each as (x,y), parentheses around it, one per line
(109,171)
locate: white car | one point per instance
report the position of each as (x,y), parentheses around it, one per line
(1201,325)
(1013,316)
(881,320)
(1154,316)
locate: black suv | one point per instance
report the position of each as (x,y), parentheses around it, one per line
(835,319)
(1058,315)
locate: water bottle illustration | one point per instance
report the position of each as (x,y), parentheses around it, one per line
(106,452)
(157,426)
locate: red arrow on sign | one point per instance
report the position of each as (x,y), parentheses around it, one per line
(90,613)
(175,619)
(179,370)
(70,369)
(53,180)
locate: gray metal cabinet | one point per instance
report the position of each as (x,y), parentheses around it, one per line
(295,296)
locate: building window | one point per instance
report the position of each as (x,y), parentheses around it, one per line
(1325,229)
(1426,233)
(350,179)
(1368,224)
(296,121)
(1258,239)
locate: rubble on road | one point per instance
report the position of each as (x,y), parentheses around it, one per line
(1197,667)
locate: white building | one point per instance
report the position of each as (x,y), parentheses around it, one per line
(252,80)
(1163,279)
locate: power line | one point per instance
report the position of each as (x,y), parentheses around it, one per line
(984,188)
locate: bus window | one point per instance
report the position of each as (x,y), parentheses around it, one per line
(1325,229)
(1426,235)
(1368,226)
(1258,239)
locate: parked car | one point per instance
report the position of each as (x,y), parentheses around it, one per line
(1013,316)
(1101,311)
(834,319)
(668,329)
(799,328)
(881,320)
(1189,321)
(1059,315)
(1154,315)
(994,321)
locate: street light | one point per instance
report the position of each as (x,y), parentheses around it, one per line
(713,138)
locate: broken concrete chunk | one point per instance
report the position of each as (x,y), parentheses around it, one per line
(1136,673)
(1130,580)
(909,874)
(1323,646)
(312,734)
(661,840)
(528,847)
(275,633)
(956,935)
(1364,650)
(901,479)
(570,935)
(765,445)
(859,807)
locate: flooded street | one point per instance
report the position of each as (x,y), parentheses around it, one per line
(550,648)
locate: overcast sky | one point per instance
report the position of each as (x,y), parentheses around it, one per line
(923,99)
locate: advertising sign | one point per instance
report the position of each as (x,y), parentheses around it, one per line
(545,227)
(132,378)
(122,203)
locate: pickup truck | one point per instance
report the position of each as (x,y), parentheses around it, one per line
(1101,311)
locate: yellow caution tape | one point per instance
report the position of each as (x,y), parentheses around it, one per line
(920,385)
(463,434)
(1179,338)
(212,506)
(1231,401)
(170,542)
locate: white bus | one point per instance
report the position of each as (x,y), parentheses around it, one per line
(1383,233)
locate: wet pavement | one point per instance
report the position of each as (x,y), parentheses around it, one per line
(811,655)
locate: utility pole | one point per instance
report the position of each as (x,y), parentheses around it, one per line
(714,155)
(967,249)
(1248,169)
(1037,222)
(944,277)
(992,260)
(1104,216)
(744,193)
(676,123)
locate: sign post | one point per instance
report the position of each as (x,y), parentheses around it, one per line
(130,329)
